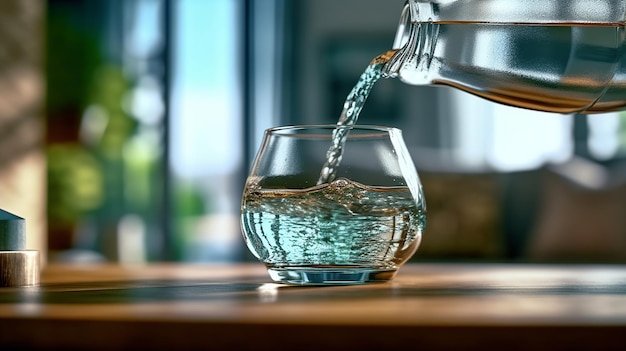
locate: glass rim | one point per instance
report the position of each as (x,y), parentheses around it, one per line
(287,130)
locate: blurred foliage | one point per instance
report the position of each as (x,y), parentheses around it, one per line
(189,206)
(189,201)
(140,170)
(85,177)
(109,88)
(75,183)
(72,53)
(103,164)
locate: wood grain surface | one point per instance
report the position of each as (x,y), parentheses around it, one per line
(237,307)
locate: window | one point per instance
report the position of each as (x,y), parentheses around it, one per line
(145,128)
(206,129)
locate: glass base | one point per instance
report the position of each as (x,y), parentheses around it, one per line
(330,275)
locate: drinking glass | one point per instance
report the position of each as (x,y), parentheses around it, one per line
(354,221)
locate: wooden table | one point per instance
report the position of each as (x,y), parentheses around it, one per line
(235,307)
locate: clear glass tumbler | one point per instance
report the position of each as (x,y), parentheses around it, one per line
(354,221)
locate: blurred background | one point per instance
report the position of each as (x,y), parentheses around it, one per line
(127,128)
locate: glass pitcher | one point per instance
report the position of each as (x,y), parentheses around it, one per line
(563,56)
